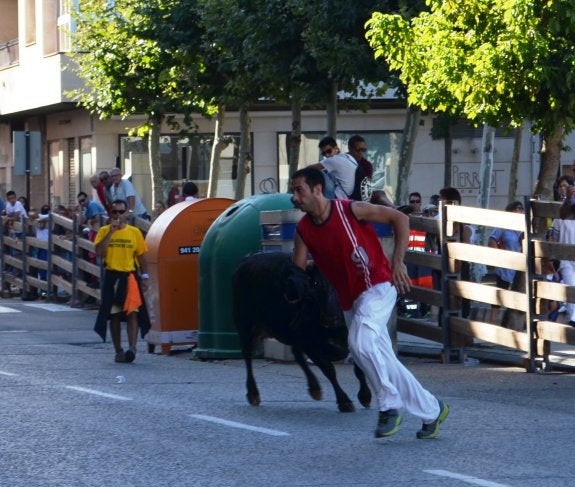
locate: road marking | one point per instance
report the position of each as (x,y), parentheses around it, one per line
(13,331)
(4,309)
(466,478)
(98,393)
(50,307)
(233,424)
(7,373)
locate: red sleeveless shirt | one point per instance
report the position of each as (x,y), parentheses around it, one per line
(346,251)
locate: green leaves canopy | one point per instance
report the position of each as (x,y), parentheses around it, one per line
(492,61)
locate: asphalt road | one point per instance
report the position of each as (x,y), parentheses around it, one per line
(66,421)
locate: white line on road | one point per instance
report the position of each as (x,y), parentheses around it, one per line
(4,309)
(233,424)
(7,373)
(98,393)
(13,331)
(51,307)
(466,478)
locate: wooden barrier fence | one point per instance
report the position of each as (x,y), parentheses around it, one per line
(60,266)
(65,264)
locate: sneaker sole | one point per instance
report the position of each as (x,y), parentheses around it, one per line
(442,417)
(391,432)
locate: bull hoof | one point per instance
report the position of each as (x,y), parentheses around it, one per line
(253,400)
(346,407)
(365,400)
(315,394)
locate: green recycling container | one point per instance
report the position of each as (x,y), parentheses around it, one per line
(233,235)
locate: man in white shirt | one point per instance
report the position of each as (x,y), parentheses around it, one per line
(122,189)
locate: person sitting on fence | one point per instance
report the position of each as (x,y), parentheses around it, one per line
(123,248)
(507,240)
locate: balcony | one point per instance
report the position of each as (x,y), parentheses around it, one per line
(9,53)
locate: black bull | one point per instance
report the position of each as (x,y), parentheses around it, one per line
(275,298)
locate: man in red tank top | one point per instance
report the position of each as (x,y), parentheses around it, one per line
(340,238)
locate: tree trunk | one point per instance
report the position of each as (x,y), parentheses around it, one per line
(245,156)
(295,136)
(331,109)
(217,147)
(550,158)
(486,168)
(406,153)
(447,147)
(155,161)
(512,189)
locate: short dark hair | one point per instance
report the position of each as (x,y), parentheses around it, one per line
(81,193)
(120,202)
(311,176)
(10,193)
(415,193)
(567,178)
(327,140)
(190,189)
(514,205)
(354,139)
(450,194)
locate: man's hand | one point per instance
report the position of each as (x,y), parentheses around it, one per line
(401,278)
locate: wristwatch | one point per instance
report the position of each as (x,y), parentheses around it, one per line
(145,276)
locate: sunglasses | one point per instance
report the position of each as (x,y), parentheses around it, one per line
(83,200)
(118,212)
(415,201)
(360,149)
(327,152)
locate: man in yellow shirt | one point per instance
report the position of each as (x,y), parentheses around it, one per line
(123,248)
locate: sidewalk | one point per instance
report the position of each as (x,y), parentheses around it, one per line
(562,356)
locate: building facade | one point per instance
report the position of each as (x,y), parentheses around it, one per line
(34,83)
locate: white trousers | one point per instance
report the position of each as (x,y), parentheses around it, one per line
(567,269)
(370,345)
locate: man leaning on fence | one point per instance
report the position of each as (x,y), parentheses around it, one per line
(123,248)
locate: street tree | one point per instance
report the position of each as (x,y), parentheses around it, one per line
(133,60)
(491,61)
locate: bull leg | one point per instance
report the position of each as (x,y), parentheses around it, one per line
(344,403)
(313,386)
(253,395)
(364,394)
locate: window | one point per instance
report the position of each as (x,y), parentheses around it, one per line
(49,30)
(183,159)
(66,24)
(30,17)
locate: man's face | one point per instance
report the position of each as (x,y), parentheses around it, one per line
(116,177)
(303,196)
(328,150)
(415,202)
(119,212)
(105,178)
(11,199)
(82,200)
(358,150)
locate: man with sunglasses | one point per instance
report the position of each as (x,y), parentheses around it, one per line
(88,210)
(123,248)
(350,180)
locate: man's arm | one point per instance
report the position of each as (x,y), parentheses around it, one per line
(400,224)
(300,252)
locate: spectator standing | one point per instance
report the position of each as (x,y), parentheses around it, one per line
(14,212)
(563,231)
(123,248)
(122,189)
(347,251)
(507,240)
(99,189)
(190,191)
(159,208)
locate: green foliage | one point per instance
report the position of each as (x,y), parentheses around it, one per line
(492,61)
(137,58)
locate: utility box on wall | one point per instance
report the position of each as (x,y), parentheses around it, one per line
(174,241)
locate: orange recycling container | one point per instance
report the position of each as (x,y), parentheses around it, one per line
(174,241)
